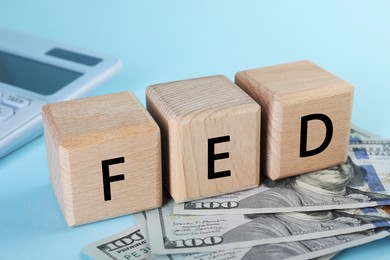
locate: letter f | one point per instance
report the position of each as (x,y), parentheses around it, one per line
(107,179)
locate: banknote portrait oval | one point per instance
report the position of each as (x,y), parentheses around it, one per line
(336,185)
(333,179)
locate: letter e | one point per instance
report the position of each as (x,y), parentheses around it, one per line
(213,157)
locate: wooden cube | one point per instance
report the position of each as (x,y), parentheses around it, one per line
(104,157)
(210,136)
(306,114)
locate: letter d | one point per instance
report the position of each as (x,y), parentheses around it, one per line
(328,136)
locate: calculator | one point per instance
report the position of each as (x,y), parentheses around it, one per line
(35,71)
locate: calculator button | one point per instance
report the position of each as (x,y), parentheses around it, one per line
(15,101)
(5,112)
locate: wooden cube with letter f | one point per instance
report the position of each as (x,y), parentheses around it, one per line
(104,157)
(210,136)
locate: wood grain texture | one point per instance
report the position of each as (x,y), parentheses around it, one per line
(80,134)
(189,112)
(286,93)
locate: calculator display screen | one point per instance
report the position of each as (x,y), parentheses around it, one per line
(33,75)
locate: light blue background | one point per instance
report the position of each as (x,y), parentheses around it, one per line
(161,41)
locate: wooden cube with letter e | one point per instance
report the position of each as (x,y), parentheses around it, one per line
(210,136)
(306,115)
(104,157)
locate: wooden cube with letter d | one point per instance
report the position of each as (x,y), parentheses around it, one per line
(210,136)
(306,115)
(104,157)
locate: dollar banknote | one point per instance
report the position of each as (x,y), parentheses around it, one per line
(323,248)
(363,181)
(170,233)
(133,243)
(129,244)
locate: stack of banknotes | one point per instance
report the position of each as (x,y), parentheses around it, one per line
(312,215)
